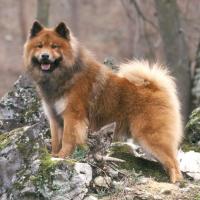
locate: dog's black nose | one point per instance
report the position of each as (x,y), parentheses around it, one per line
(45,56)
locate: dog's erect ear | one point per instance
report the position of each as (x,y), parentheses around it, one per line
(62,30)
(36,28)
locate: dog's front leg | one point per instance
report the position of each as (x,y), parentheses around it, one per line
(75,132)
(56,136)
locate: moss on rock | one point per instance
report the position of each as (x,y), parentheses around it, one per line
(45,173)
(193,127)
(4,141)
(140,165)
(186,146)
(7,138)
(80,153)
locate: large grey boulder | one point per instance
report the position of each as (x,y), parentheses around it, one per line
(20,106)
(27,171)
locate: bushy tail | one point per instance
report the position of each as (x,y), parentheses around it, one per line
(142,72)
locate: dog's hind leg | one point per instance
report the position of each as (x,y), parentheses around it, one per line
(121,131)
(160,144)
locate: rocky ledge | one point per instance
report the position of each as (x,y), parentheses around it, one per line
(98,170)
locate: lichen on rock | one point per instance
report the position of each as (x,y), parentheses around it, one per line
(27,170)
(20,106)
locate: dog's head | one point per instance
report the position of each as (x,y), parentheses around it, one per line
(48,49)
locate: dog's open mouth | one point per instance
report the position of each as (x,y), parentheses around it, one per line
(45,67)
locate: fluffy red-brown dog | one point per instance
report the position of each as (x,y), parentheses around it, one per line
(77,91)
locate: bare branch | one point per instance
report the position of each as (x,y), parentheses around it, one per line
(107,158)
(127,11)
(139,12)
(43,11)
(22,19)
(142,15)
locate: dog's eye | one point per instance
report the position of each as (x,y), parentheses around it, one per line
(39,46)
(54,46)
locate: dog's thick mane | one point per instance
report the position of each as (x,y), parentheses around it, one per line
(53,83)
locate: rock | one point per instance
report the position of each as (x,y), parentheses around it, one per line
(20,107)
(27,170)
(110,62)
(90,198)
(85,172)
(165,191)
(190,163)
(101,144)
(103,181)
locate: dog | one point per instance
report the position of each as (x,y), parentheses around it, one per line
(78,93)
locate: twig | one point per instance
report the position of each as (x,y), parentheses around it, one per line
(142,15)
(107,158)
(139,12)
(95,165)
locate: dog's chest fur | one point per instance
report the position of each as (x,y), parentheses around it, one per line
(55,109)
(60,105)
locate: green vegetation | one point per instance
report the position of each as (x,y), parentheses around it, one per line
(7,138)
(140,165)
(186,146)
(44,175)
(80,152)
(4,141)
(193,127)
(194,119)
(197,197)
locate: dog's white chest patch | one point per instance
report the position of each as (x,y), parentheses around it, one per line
(60,105)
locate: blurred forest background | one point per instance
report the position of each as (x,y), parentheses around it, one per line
(163,30)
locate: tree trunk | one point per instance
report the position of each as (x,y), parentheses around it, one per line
(175,48)
(74,4)
(196,80)
(43,11)
(22,20)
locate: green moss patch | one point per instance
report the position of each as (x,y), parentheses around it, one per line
(194,119)
(197,197)
(186,146)
(4,141)
(140,165)
(145,167)
(47,167)
(80,153)
(7,138)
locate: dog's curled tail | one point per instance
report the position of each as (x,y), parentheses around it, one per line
(140,72)
(144,73)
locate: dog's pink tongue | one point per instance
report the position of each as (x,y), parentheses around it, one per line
(45,66)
